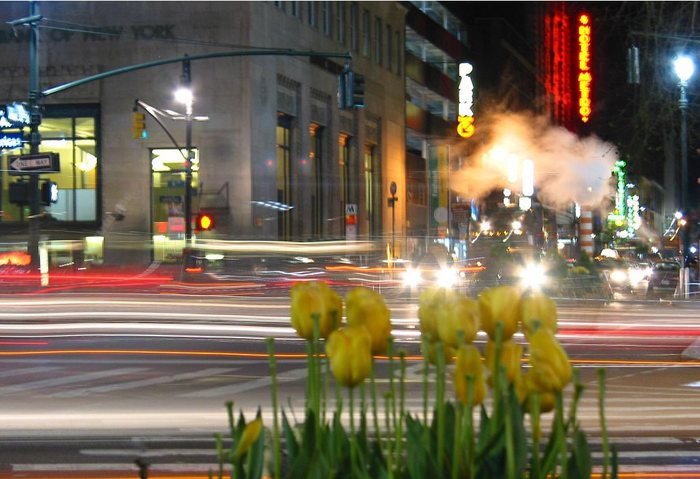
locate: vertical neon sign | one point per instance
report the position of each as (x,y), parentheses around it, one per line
(584,67)
(465,118)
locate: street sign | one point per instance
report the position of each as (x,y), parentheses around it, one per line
(34,164)
(11,140)
(14,115)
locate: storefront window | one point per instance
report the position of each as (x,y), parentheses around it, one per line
(71,132)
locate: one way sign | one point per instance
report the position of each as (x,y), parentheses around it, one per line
(38,163)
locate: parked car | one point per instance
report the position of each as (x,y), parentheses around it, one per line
(664,278)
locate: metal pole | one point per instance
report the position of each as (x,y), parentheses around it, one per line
(685,233)
(35,138)
(187,83)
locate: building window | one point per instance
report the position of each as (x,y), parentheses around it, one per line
(313,14)
(168,177)
(365,33)
(279,5)
(369,159)
(326,14)
(294,9)
(344,145)
(319,177)
(399,51)
(378,43)
(340,23)
(284,175)
(354,27)
(389,49)
(72,132)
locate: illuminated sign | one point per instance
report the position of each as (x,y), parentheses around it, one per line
(584,67)
(465,115)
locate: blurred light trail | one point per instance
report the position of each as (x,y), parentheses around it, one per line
(233,354)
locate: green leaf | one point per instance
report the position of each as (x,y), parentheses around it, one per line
(418,452)
(579,463)
(290,440)
(256,455)
(551,452)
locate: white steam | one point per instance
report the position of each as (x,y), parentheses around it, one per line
(567,168)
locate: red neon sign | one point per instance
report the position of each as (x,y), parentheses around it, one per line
(584,67)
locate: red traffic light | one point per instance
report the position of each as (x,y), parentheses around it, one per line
(205,222)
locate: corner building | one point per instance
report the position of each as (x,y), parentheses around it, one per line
(276,159)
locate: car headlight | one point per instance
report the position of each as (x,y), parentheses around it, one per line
(532,275)
(411,277)
(618,276)
(447,277)
(636,275)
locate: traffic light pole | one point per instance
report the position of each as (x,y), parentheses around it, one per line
(35,139)
(187,83)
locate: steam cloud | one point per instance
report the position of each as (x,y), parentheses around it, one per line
(567,168)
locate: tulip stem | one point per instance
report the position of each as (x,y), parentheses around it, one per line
(469,428)
(426,398)
(534,402)
(510,440)
(402,404)
(440,403)
(315,377)
(375,416)
(389,449)
(559,424)
(603,427)
(353,449)
(392,392)
(275,418)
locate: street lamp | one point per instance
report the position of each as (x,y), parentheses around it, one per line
(184,95)
(684,68)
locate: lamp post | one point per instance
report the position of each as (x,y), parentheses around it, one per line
(684,68)
(184,95)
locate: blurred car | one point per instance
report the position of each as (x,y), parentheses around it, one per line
(617,273)
(664,279)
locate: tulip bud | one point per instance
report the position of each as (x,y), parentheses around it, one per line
(365,307)
(469,363)
(248,438)
(511,352)
(448,353)
(537,307)
(315,298)
(499,305)
(350,352)
(550,369)
(432,300)
(458,314)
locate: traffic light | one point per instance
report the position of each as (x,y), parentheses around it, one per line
(205,222)
(351,89)
(138,125)
(358,90)
(49,193)
(19,193)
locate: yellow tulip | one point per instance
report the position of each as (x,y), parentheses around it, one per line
(550,369)
(311,298)
(499,305)
(538,309)
(350,352)
(431,301)
(511,352)
(469,364)
(524,388)
(448,353)
(248,438)
(458,314)
(365,307)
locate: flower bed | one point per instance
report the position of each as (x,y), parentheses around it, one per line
(462,435)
